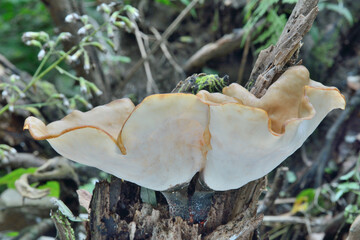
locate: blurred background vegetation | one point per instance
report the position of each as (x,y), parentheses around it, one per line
(331,51)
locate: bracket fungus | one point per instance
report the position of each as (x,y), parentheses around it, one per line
(230,138)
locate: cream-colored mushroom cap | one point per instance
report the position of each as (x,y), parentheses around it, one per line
(253,136)
(231,138)
(160,144)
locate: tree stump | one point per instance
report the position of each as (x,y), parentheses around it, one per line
(118,213)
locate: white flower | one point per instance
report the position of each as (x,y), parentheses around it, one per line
(81,31)
(14,77)
(41,54)
(66,102)
(84,29)
(4,93)
(103,8)
(83,89)
(29,36)
(72,17)
(65,36)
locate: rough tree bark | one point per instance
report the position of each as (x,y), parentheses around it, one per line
(116,209)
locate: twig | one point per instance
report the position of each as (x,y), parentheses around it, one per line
(164,37)
(317,168)
(289,219)
(272,60)
(224,45)
(166,52)
(284,219)
(37,230)
(24,160)
(274,191)
(237,228)
(150,80)
(243,59)
(324,155)
(304,156)
(354,232)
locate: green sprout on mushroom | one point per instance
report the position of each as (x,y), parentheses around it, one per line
(228,138)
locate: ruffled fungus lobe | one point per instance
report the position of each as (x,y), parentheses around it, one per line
(230,138)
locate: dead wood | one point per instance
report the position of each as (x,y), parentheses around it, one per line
(116,209)
(354,232)
(55,169)
(25,160)
(272,60)
(221,47)
(274,191)
(172,27)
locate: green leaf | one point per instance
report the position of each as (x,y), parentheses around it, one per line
(309,192)
(11,177)
(348,175)
(349,186)
(165,2)
(90,185)
(351,212)
(123,59)
(289,1)
(63,226)
(34,111)
(148,196)
(290,176)
(66,211)
(338,195)
(343,11)
(54,187)
(12,234)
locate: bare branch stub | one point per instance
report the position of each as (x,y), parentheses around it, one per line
(272,60)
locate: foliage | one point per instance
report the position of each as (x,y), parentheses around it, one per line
(51,56)
(148,196)
(303,200)
(10,178)
(54,187)
(5,151)
(63,226)
(12,234)
(89,187)
(338,8)
(24,14)
(66,211)
(271,22)
(269,31)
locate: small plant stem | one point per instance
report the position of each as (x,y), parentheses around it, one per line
(35,105)
(34,80)
(3,109)
(42,63)
(39,76)
(63,71)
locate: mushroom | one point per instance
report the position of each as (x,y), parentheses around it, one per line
(230,138)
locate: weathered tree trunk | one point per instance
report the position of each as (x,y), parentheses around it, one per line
(116,209)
